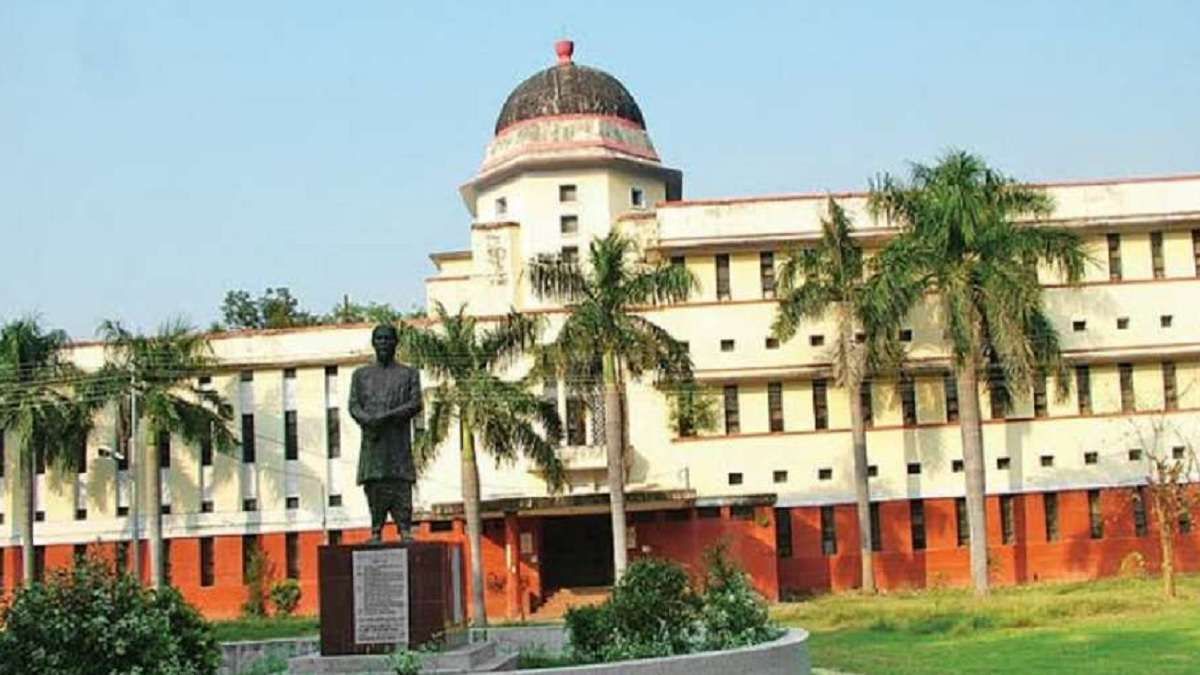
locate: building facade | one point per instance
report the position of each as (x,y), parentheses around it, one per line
(571,159)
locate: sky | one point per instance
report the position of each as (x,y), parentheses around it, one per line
(154,155)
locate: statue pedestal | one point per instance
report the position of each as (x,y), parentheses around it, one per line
(375,597)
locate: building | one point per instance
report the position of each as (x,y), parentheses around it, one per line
(571,159)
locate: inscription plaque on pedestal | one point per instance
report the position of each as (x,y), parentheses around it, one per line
(380,596)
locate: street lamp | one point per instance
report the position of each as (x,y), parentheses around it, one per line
(118,456)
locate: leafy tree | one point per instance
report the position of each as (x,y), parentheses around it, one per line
(959,242)
(162,371)
(38,411)
(371,312)
(275,308)
(604,339)
(500,417)
(693,409)
(733,613)
(831,277)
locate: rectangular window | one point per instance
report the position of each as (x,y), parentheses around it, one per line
(908,401)
(1170,391)
(999,394)
(501,206)
(963,528)
(637,197)
(333,433)
(250,504)
(80,458)
(766,273)
(820,404)
(783,533)
(1128,402)
(291,436)
(708,512)
(567,193)
(568,224)
(1122,323)
(207,563)
(166,560)
(335,537)
(1006,519)
(867,403)
(570,255)
(916,518)
(79,552)
(678,261)
(876,527)
(292,503)
(1050,509)
(1196,251)
(779,476)
(1095,515)
(292,552)
(163,444)
(576,420)
(1040,405)
(828,531)
(122,557)
(771,343)
(723,292)
(951,386)
(1139,511)
(3,457)
(39,462)
(775,405)
(735,478)
(1083,389)
(1156,255)
(39,563)
(206,449)
(1114,257)
(249,548)
(727,345)
(732,421)
(335,500)
(248,439)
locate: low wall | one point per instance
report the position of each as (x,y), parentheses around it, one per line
(238,656)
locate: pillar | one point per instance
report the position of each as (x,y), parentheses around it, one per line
(512,566)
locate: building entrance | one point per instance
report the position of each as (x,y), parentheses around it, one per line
(577,551)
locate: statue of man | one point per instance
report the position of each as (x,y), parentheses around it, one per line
(384,397)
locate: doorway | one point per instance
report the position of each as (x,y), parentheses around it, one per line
(577,551)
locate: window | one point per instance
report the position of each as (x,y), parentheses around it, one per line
(956,465)
(775,405)
(1040,406)
(732,423)
(206,506)
(80,514)
(951,386)
(162,442)
(248,439)
(246,376)
(708,512)
(906,335)
(335,500)
(250,504)
(1128,402)
(825,474)
(568,224)
(1122,323)
(772,343)
(441,526)
(735,478)
(1079,325)
(1003,463)
(741,512)
(39,462)
(1170,391)
(122,557)
(567,193)
(292,554)
(335,537)
(637,197)
(727,345)
(1178,452)
(723,292)
(206,449)
(779,476)
(876,528)
(1165,321)
(39,563)
(166,560)
(576,420)
(3,458)
(1156,255)
(1185,522)
(998,390)
(1047,461)
(872,471)
(766,273)
(963,528)
(249,548)
(1114,257)
(1050,508)
(1091,458)
(207,563)
(866,402)
(79,552)
(908,401)
(913,468)
(678,261)
(204,381)
(783,533)
(1139,511)
(916,519)
(1083,389)
(570,255)
(291,436)
(820,404)
(501,206)
(1095,516)
(828,531)
(816,340)
(80,458)
(333,433)
(292,503)
(1006,519)
(1196,251)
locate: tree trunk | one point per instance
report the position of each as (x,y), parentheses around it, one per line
(1166,540)
(471,511)
(153,476)
(614,444)
(27,550)
(973,466)
(862,489)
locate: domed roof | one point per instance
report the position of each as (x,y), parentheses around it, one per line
(569,89)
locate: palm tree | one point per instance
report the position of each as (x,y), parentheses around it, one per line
(34,406)
(813,281)
(603,338)
(959,241)
(495,415)
(161,371)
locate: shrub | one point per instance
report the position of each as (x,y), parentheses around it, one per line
(257,572)
(285,595)
(590,630)
(733,613)
(91,620)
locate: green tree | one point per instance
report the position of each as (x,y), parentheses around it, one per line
(500,417)
(604,339)
(830,277)
(356,312)
(162,371)
(275,308)
(959,241)
(37,409)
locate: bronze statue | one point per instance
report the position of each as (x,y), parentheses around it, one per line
(384,397)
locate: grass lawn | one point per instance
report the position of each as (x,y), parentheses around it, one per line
(237,630)
(1111,626)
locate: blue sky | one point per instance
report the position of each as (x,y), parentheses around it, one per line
(155,154)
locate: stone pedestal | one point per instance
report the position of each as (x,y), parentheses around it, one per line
(375,597)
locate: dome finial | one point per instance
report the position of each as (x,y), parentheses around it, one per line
(564,49)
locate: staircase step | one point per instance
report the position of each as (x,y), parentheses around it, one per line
(462,659)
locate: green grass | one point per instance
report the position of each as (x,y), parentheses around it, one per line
(237,630)
(1111,626)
